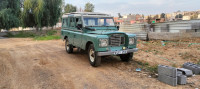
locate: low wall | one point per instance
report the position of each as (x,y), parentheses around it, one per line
(172,36)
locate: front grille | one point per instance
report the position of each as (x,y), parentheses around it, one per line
(116,40)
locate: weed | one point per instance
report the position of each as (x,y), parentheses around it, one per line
(153,69)
(51,32)
(22,34)
(198,62)
(174,65)
(47,37)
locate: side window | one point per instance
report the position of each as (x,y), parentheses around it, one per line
(78,23)
(72,22)
(64,23)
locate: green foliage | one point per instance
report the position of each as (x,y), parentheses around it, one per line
(70,8)
(52,12)
(33,13)
(9,14)
(40,13)
(89,7)
(22,34)
(51,32)
(153,69)
(50,35)
(162,15)
(47,37)
(179,16)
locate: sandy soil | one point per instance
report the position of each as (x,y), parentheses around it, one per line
(28,64)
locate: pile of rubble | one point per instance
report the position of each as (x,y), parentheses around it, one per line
(174,76)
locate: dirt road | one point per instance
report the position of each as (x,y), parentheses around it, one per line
(28,64)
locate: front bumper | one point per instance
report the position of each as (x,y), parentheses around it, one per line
(113,52)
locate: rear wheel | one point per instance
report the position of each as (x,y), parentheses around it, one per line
(126,57)
(68,47)
(93,58)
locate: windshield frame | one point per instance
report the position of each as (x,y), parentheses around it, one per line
(83,19)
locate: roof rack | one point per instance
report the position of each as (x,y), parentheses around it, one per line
(86,14)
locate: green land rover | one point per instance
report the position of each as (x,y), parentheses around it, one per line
(97,34)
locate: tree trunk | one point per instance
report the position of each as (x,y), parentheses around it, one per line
(37,29)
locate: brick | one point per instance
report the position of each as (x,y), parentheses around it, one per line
(195,68)
(186,72)
(167,79)
(166,70)
(182,79)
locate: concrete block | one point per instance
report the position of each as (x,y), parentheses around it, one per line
(179,73)
(194,67)
(167,79)
(166,70)
(182,79)
(186,72)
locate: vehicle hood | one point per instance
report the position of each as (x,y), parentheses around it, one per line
(105,32)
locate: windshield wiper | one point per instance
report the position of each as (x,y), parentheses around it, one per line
(90,28)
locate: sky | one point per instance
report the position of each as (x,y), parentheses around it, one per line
(145,7)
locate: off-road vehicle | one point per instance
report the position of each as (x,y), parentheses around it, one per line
(97,34)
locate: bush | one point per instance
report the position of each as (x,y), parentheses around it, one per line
(51,32)
(21,34)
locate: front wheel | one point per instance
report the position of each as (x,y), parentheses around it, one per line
(93,58)
(68,47)
(126,57)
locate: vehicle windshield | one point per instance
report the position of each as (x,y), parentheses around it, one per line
(88,21)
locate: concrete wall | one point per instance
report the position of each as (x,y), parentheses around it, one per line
(172,36)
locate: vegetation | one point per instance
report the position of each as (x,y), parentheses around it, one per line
(40,13)
(147,67)
(70,8)
(49,35)
(89,7)
(9,14)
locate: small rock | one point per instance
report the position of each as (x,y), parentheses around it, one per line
(149,76)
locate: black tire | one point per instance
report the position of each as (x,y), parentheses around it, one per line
(126,57)
(68,47)
(94,60)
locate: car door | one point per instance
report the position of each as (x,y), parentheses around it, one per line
(78,32)
(71,30)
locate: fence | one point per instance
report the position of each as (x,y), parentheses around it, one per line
(139,29)
(179,26)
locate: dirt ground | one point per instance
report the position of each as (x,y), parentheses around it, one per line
(28,64)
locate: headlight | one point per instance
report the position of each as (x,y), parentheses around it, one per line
(131,41)
(103,42)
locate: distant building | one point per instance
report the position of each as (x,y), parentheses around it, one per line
(199,16)
(186,17)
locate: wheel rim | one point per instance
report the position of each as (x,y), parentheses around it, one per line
(92,55)
(67,45)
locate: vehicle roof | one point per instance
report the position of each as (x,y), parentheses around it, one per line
(89,14)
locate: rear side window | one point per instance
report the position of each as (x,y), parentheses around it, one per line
(65,22)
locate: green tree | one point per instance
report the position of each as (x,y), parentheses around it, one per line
(9,14)
(40,13)
(70,8)
(89,7)
(33,13)
(52,12)
(179,16)
(162,15)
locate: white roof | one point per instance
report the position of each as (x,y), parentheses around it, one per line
(92,14)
